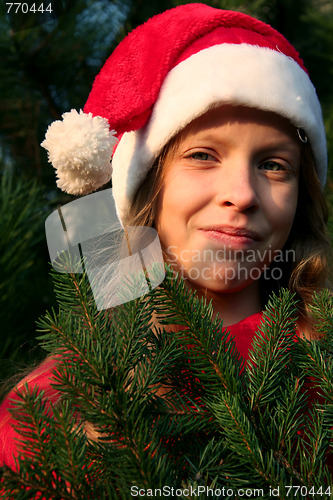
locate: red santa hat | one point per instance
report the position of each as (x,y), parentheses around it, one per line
(165,74)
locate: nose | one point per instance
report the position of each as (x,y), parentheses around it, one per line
(238,187)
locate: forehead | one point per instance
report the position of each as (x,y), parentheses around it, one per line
(243,116)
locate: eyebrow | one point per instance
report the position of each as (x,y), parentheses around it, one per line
(284,146)
(288,145)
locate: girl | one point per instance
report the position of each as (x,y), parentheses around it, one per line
(221,148)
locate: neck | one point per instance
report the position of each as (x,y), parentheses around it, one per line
(232,307)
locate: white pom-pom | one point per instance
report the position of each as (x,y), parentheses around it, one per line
(80,149)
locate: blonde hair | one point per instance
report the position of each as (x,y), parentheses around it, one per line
(308,240)
(309,236)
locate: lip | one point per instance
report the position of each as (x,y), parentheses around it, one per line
(232,235)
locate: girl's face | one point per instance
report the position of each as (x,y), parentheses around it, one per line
(229,196)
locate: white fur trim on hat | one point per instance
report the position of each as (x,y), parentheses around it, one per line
(247,75)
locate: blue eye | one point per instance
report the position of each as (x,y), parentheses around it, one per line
(273,166)
(200,155)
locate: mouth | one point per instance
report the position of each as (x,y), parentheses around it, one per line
(231,235)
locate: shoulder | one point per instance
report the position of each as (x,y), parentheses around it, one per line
(244,332)
(40,378)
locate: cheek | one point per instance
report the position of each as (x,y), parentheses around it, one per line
(180,198)
(168,214)
(281,210)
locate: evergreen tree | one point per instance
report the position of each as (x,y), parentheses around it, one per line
(220,423)
(48,68)
(25,289)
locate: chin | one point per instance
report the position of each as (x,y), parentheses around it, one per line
(224,277)
(216,284)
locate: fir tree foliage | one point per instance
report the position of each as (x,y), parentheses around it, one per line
(23,208)
(154,393)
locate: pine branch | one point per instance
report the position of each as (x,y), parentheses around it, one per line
(209,344)
(272,350)
(148,405)
(322,311)
(53,463)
